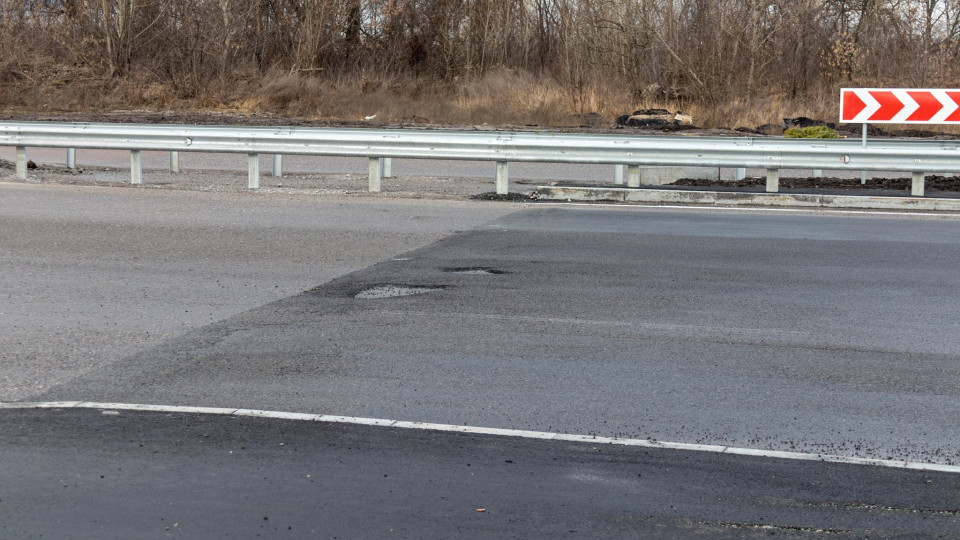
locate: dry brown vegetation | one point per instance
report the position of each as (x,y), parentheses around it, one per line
(727,62)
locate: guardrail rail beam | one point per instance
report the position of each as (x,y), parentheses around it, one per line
(631,151)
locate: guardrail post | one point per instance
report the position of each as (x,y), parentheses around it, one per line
(818,173)
(916,185)
(773,180)
(136,167)
(21,162)
(503,178)
(277,165)
(618,175)
(739,173)
(253,171)
(174,162)
(633,176)
(386,167)
(374,172)
(71,158)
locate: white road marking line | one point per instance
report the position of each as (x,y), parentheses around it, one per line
(400,424)
(273,414)
(812,211)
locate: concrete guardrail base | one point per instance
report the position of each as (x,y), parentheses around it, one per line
(670,196)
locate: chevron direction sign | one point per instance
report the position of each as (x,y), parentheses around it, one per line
(899,106)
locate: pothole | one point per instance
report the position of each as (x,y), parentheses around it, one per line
(393,291)
(474,271)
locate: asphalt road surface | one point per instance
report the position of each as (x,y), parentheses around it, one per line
(812,333)
(92,275)
(816,333)
(155,475)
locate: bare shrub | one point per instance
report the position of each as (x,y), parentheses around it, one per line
(500,61)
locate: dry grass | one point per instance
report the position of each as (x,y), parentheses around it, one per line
(501,97)
(752,113)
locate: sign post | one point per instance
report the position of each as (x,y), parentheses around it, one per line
(863,137)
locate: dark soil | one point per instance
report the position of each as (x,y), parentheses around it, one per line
(492,196)
(932,183)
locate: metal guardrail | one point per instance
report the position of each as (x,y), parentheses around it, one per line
(379,145)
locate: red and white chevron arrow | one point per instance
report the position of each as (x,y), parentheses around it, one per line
(899,106)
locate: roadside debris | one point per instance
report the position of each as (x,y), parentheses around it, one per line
(656,118)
